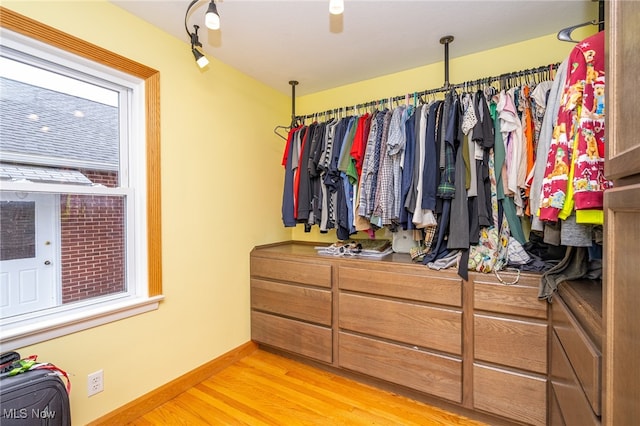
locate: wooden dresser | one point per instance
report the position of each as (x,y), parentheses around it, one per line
(477,344)
(576,354)
(510,348)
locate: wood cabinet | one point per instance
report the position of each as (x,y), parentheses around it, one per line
(576,360)
(478,344)
(291,305)
(403,326)
(510,329)
(621,269)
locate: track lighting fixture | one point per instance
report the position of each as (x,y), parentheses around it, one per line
(336,7)
(211,20)
(201,60)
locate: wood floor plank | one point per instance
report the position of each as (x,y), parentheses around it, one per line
(230,410)
(328,400)
(172,413)
(331,406)
(263,399)
(211,408)
(359,394)
(265,389)
(142,422)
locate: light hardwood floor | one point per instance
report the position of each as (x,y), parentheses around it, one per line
(267,389)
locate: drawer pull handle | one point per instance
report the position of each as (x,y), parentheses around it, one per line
(516,270)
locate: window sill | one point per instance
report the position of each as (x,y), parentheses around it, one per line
(18,337)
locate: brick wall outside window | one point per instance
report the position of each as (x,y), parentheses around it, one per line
(92,242)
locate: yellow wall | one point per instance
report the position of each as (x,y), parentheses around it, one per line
(221,195)
(514,57)
(221,192)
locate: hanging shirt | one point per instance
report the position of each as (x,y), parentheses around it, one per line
(544,143)
(288,216)
(469,121)
(390,197)
(328,217)
(407,168)
(303,179)
(528,136)
(360,143)
(579,127)
(427,167)
(511,129)
(446,186)
(483,136)
(315,173)
(296,152)
(370,165)
(379,216)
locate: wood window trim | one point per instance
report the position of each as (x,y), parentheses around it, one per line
(38,31)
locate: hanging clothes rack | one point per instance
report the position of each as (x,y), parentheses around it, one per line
(504,81)
(293,84)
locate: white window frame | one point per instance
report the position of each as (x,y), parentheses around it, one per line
(66,319)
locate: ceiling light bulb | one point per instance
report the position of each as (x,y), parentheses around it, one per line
(211,18)
(336,7)
(201,60)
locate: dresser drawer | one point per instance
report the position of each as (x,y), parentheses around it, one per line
(555,414)
(513,395)
(445,288)
(511,342)
(582,354)
(574,406)
(416,369)
(306,303)
(518,299)
(306,339)
(297,272)
(414,324)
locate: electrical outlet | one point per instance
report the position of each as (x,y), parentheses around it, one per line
(95,383)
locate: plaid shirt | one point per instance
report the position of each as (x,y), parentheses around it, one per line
(389,172)
(446,187)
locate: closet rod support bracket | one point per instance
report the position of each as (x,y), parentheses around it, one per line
(446,39)
(293,84)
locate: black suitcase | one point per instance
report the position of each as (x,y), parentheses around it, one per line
(35,397)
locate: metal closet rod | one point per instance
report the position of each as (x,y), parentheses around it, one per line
(503,79)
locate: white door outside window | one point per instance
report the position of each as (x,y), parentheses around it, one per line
(28,262)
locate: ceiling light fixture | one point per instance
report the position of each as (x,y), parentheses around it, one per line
(212,21)
(336,7)
(201,60)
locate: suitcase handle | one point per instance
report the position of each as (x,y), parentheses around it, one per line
(18,366)
(7,359)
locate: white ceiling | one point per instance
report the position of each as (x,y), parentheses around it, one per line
(278,41)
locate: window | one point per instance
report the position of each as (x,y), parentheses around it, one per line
(79,199)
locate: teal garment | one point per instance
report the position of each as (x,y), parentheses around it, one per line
(508,206)
(515,226)
(345,158)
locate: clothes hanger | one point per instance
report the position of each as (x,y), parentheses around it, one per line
(565,33)
(285,128)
